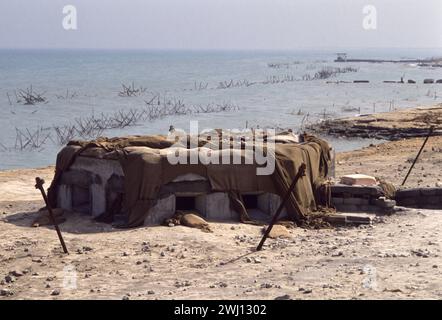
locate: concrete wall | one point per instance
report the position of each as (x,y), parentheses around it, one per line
(91,184)
(428,198)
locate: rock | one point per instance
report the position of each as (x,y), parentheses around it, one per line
(284,297)
(125,298)
(150,292)
(6,292)
(9,279)
(162,254)
(194,221)
(55,292)
(15,273)
(278,231)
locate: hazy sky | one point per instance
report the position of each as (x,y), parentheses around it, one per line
(220,24)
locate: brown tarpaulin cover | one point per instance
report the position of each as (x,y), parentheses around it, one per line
(146,168)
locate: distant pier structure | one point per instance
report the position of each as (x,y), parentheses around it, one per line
(342,57)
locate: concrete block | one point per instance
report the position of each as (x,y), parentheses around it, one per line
(274,202)
(98,199)
(356,201)
(408,193)
(335,201)
(433,200)
(347,208)
(406,201)
(81,178)
(429,191)
(264,203)
(164,209)
(64,197)
(216,207)
(338,189)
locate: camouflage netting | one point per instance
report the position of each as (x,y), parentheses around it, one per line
(146,168)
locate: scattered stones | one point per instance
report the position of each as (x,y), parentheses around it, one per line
(15,273)
(55,292)
(284,297)
(423,253)
(181,284)
(6,292)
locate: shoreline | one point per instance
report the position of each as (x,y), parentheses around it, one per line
(393,125)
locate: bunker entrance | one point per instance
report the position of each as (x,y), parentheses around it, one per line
(185,203)
(250,201)
(81,199)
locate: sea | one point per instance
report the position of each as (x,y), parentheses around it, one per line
(269,89)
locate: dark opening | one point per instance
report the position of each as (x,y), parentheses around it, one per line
(250,201)
(81,200)
(185,203)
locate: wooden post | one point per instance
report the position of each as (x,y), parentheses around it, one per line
(39,185)
(301,173)
(418,154)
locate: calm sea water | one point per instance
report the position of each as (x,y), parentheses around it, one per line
(96,78)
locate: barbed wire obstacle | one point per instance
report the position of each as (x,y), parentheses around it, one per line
(131,91)
(235,84)
(3,147)
(93,127)
(31,140)
(29,97)
(328,72)
(68,95)
(279,65)
(279,79)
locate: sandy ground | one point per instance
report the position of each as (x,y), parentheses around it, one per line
(392,160)
(399,257)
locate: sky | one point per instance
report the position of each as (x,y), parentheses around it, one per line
(220,24)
